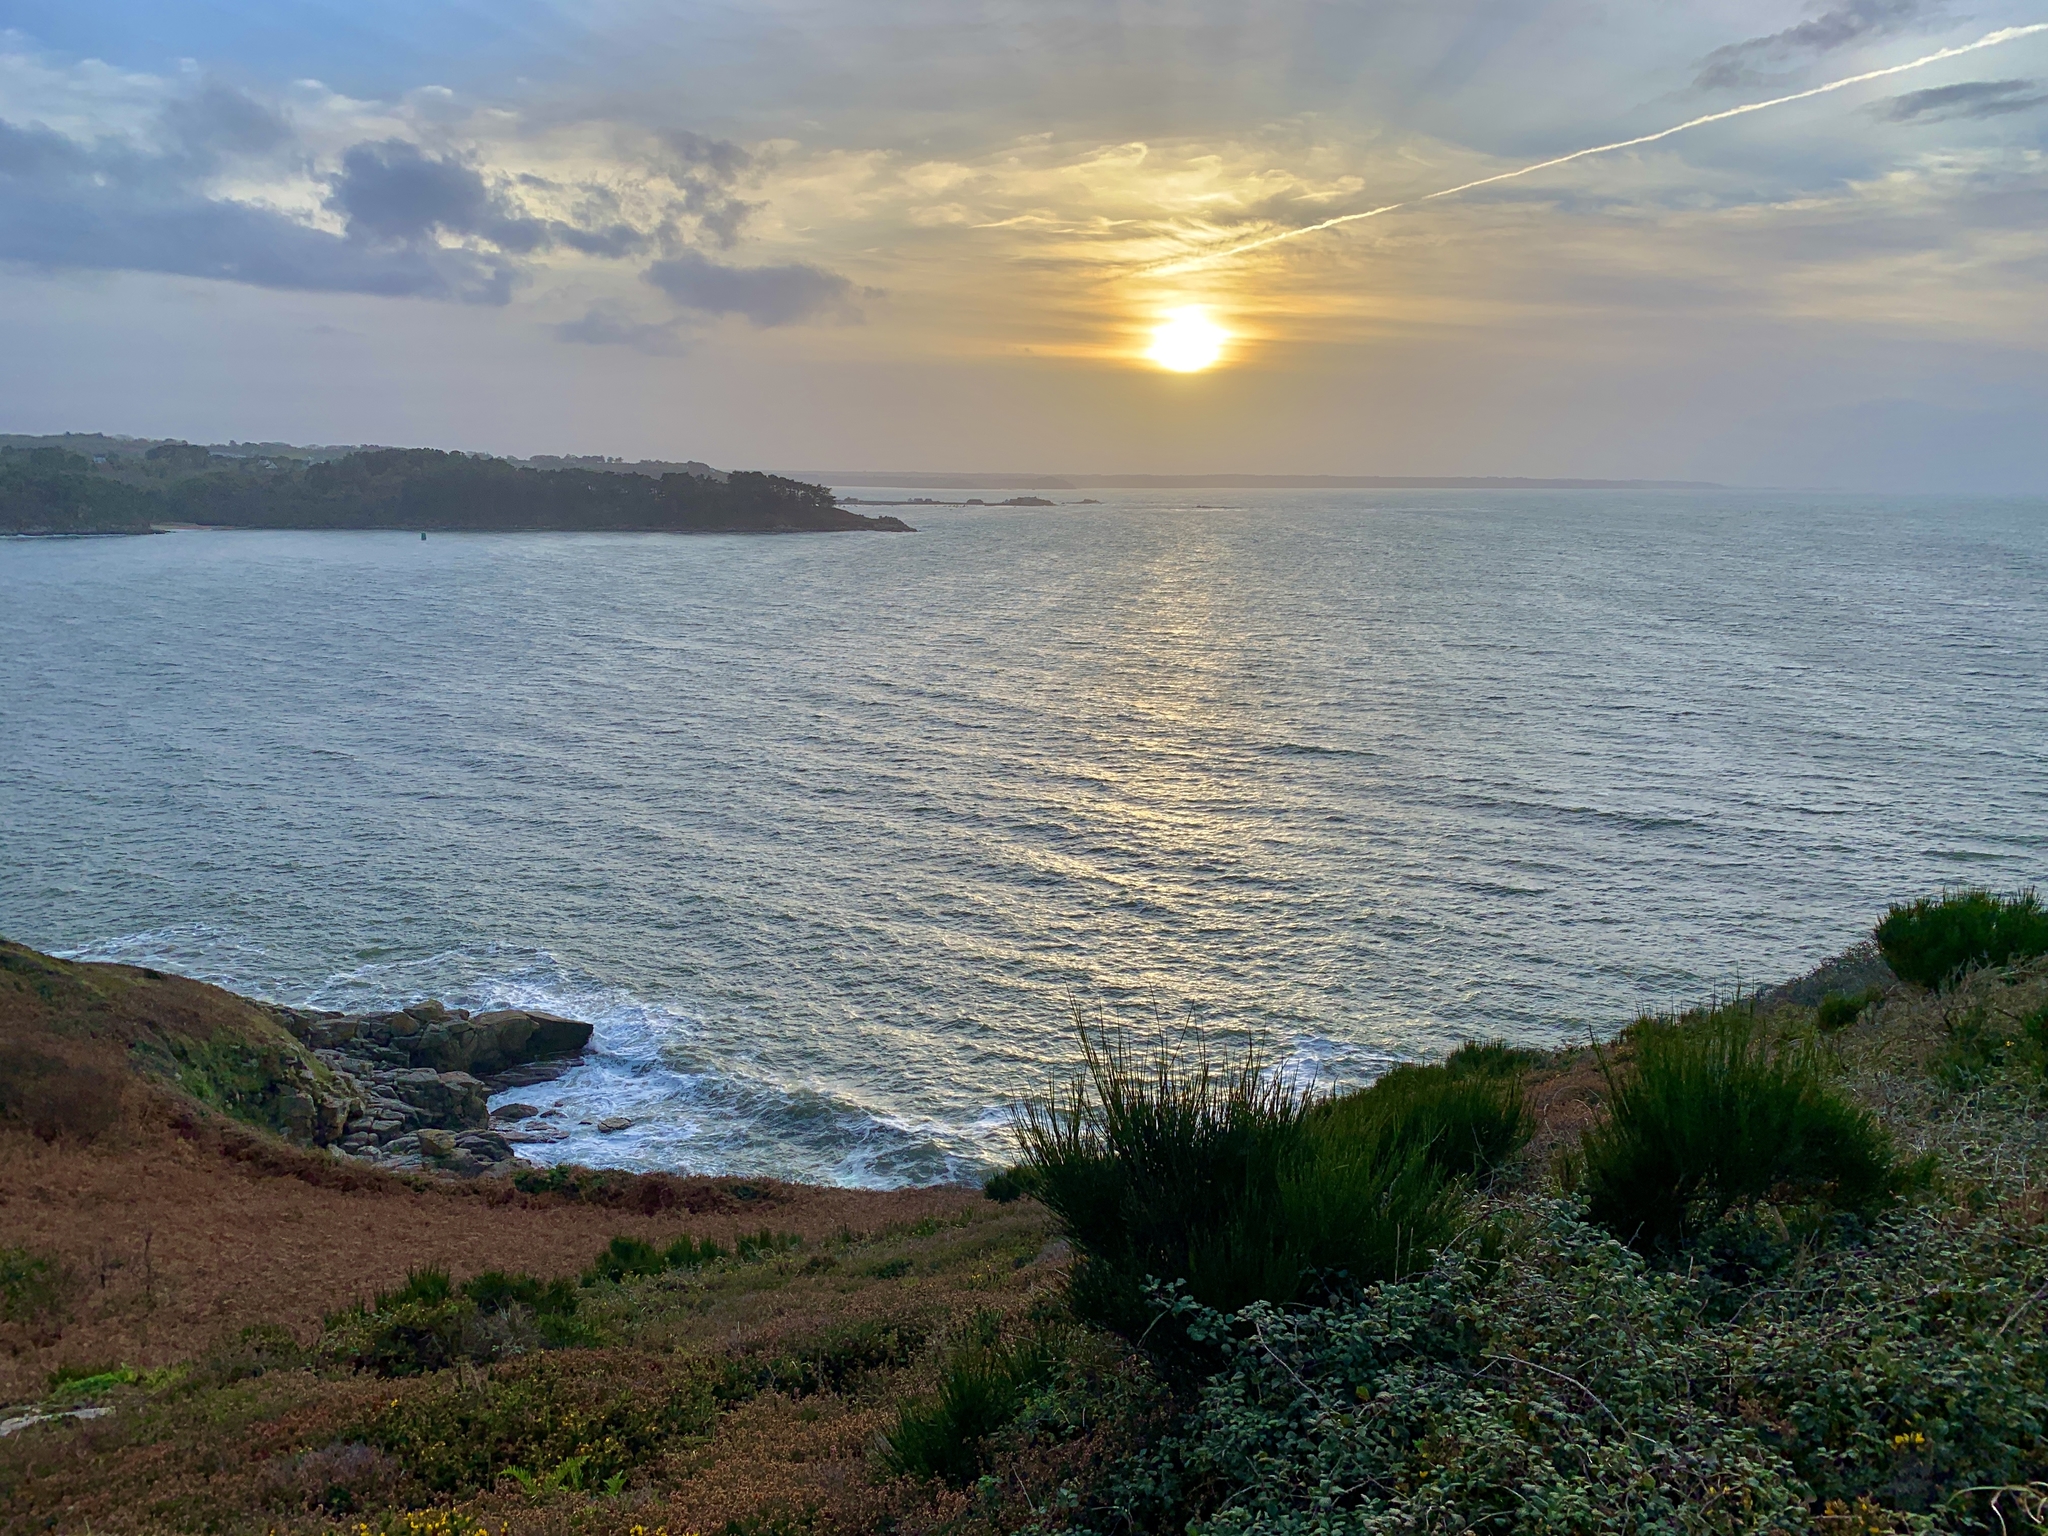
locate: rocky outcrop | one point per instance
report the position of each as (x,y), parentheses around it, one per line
(415,1084)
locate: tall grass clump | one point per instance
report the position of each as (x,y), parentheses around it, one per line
(1466,1117)
(1178,1170)
(983,1388)
(1710,1114)
(1933,940)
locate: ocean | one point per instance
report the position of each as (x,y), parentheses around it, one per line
(835,837)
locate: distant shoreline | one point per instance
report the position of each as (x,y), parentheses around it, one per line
(976,480)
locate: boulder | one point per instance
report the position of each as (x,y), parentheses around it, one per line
(451,1098)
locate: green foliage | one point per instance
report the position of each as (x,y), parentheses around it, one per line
(537,1415)
(1838,1010)
(1575,1389)
(1216,1179)
(1009,1185)
(1710,1114)
(628,1258)
(1984,1046)
(496,1291)
(47,490)
(625,1258)
(1467,1116)
(33,1286)
(984,1387)
(428,1323)
(688,1253)
(1933,940)
(77,1383)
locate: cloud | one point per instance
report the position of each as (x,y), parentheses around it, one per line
(780,295)
(109,207)
(1971,98)
(612,325)
(1740,63)
(220,121)
(704,169)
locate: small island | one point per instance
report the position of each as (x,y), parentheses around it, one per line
(48,489)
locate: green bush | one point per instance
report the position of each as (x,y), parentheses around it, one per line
(496,1291)
(1838,1010)
(1933,940)
(1576,1390)
(536,1417)
(687,1253)
(984,1386)
(1216,1179)
(1466,1117)
(625,1258)
(1008,1185)
(429,1323)
(1710,1114)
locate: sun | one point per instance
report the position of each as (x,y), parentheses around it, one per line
(1187,341)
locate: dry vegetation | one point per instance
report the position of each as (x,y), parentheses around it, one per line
(194,1267)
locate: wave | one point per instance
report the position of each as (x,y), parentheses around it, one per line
(645,1066)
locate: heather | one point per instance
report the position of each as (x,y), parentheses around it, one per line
(1773,1263)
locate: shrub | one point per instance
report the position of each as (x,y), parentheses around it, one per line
(33,1285)
(687,1253)
(983,1388)
(1979,1048)
(1579,1390)
(536,1417)
(428,1323)
(495,1291)
(1838,1010)
(1710,1114)
(623,1258)
(1933,940)
(1183,1172)
(1008,1185)
(1467,1118)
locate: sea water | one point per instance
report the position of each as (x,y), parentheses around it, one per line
(833,837)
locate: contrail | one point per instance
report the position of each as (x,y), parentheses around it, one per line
(1989,40)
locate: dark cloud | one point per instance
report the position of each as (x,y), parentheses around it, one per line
(1971,98)
(783,295)
(219,120)
(609,325)
(693,155)
(704,170)
(109,207)
(395,191)
(1742,63)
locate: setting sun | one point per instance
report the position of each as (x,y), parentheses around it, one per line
(1187,341)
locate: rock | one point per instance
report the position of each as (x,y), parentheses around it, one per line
(535,1130)
(453,1098)
(437,1143)
(488,1146)
(612,1123)
(428,1013)
(514,1112)
(494,1042)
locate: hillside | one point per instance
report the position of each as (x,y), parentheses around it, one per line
(49,490)
(1840,1329)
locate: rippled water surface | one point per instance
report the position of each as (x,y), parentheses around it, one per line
(828,834)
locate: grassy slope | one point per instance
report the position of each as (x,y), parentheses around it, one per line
(242,1230)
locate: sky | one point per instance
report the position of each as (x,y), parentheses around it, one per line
(905,234)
